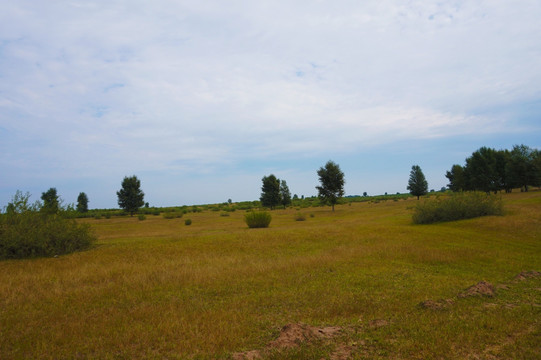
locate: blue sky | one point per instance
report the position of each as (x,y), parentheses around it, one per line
(201,99)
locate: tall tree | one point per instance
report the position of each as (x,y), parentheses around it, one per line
(522,167)
(51,201)
(332,183)
(457,182)
(270,191)
(82,203)
(285,195)
(481,171)
(417,184)
(130,196)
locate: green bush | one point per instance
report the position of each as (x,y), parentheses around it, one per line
(300,217)
(188,222)
(257,219)
(457,206)
(26,231)
(172,215)
(141,217)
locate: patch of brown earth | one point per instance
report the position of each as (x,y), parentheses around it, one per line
(482,288)
(377,323)
(291,336)
(527,275)
(436,305)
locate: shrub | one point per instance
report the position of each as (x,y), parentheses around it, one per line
(300,217)
(224,214)
(257,219)
(141,217)
(172,215)
(457,206)
(26,231)
(187,222)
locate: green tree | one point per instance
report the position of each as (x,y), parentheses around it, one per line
(483,171)
(522,167)
(457,182)
(332,183)
(270,191)
(51,201)
(285,195)
(130,196)
(417,184)
(82,203)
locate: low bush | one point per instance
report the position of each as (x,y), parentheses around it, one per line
(26,231)
(141,217)
(457,206)
(300,217)
(172,215)
(257,219)
(187,222)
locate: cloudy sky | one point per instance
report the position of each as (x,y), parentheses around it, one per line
(201,99)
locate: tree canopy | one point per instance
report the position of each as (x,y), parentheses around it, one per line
(130,196)
(270,191)
(285,195)
(332,183)
(417,184)
(51,201)
(82,203)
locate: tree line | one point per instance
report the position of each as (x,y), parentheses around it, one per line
(492,170)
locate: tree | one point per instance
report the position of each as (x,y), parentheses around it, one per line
(457,182)
(417,184)
(285,195)
(332,182)
(482,171)
(522,167)
(270,191)
(51,201)
(82,203)
(130,196)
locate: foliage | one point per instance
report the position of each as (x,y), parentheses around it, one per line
(457,206)
(270,191)
(141,217)
(332,182)
(130,196)
(51,201)
(300,216)
(188,222)
(172,215)
(31,230)
(417,184)
(493,170)
(82,203)
(257,219)
(285,195)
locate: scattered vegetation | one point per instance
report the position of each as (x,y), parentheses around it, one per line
(257,219)
(34,230)
(188,222)
(300,216)
(457,206)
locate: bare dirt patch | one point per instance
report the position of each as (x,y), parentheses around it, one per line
(527,275)
(436,305)
(482,288)
(293,335)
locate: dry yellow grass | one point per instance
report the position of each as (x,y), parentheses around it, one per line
(160,289)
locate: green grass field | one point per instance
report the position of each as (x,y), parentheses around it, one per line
(159,289)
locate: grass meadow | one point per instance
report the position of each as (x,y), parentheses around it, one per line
(160,289)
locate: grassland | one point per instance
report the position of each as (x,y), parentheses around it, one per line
(159,289)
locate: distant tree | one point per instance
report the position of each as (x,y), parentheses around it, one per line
(285,195)
(332,182)
(417,184)
(270,191)
(229,201)
(522,168)
(82,203)
(365,194)
(51,201)
(130,196)
(483,171)
(295,197)
(457,182)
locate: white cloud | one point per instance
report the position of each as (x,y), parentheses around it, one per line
(111,86)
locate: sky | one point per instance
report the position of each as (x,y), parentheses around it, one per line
(201,99)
